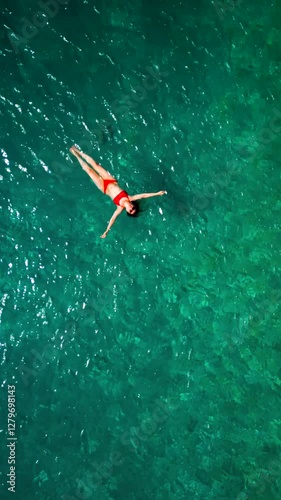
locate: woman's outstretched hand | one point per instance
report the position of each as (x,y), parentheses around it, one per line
(162,192)
(104,234)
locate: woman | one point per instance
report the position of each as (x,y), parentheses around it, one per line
(108,185)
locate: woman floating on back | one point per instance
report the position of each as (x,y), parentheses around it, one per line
(108,185)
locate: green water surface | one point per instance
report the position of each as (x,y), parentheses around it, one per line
(147,364)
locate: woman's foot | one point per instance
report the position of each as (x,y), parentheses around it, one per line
(75,151)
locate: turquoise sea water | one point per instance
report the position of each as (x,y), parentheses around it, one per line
(146,365)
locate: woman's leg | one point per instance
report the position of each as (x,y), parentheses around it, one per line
(98,168)
(94,176)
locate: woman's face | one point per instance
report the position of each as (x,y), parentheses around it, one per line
(130,208)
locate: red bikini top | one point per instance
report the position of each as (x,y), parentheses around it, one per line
(117,198)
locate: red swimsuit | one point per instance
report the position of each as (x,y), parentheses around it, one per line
(117,198)
(106,182)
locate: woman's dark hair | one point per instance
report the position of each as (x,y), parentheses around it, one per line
(136,206)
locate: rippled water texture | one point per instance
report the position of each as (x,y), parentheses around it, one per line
(146,365)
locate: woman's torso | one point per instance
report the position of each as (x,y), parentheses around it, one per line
(113,190)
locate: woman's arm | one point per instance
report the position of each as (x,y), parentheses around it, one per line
(146,195)
(112,220)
